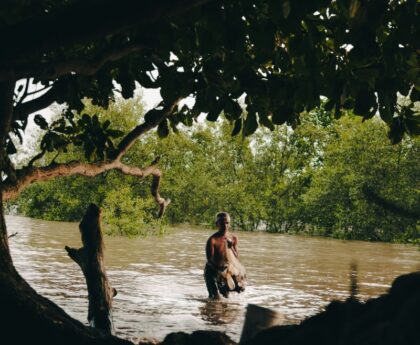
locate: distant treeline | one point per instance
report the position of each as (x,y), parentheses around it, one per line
(340,178)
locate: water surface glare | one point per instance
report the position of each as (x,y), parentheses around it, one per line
(161,287)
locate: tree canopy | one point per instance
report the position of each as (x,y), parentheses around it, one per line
(280,57)
(283,55)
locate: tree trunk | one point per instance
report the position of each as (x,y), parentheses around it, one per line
(90,260)
(28,318)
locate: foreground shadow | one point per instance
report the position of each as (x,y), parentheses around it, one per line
(390,319)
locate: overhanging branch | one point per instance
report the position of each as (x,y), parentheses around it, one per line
(84,67)
(29,175)
(75,24)
(22,110)
(389,205)
(154,118)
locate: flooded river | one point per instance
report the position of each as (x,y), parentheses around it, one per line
(161,287)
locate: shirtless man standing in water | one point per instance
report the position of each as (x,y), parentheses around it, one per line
(217,257)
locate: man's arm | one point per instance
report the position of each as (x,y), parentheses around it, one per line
(235,246)
(210,250)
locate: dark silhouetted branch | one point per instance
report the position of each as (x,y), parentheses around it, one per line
(22,110)
(82,66)
(390,205)
(75,24)
(153,118)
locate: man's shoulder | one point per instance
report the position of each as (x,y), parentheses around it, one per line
(213,237)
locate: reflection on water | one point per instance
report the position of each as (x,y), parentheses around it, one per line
(160,280)
(220,312)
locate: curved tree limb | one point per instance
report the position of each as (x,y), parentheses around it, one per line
(34,92)
(13,235)
(153,118)
(29,175)
(80,66)
(22,110)
(36,157)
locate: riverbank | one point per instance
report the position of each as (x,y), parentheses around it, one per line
(161,228)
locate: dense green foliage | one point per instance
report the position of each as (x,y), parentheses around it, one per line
(309,180)
(123,209)
(283,55)
(357,160)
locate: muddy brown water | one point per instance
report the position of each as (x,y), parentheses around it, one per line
(161,287)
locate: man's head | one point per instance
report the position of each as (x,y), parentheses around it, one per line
(223,221)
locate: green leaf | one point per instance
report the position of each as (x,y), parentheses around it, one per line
(365,104)
(348,103)
(41,122)
(174,127)
(329,105)
(367,75)
(215,110)
(86,119)
(281,115)
(265,121)
(10,148)
(237,127)
(95,121)
(89,148)
(213,115)
(47,142)
(251,124)
(18,133)
(152,115)
(126,80)
(232,110)
(396,131)
(146,81)
(387,103)
(413,125)
(163,129)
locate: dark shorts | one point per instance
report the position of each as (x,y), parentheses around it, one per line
(214,282)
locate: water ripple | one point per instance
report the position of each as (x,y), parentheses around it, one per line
(160,280)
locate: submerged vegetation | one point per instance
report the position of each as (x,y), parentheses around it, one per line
(326,177)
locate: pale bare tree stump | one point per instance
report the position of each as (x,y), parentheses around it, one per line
(90,258)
